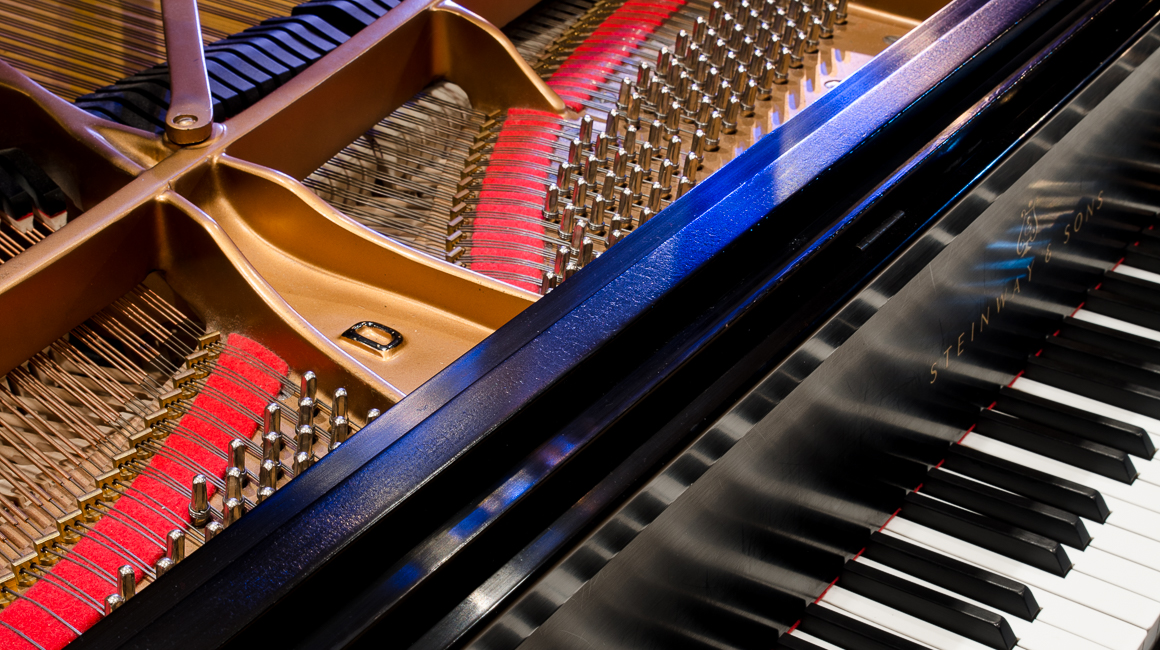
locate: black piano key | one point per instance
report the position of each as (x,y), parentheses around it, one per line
(257,76)
(256,57)
(120,112)
(849,633)
(151,90)
(936,608)
(793,643)
(142,104)
(1142,260)
(14,200)
(1013,509)
(1004,539)
(1032,483)
(256,47)
(1123,308)
(1097,428)
(978,584)
(344,15)
(1117,341)
(308,28)
(1062,446)
(1102,362)
(302,44)
(1117,392)
(1146,292)
(45,193)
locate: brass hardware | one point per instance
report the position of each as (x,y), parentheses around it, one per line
(67,524)
(21,568)
(354,335)
(43,547)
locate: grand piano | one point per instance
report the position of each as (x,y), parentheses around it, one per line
(616,324)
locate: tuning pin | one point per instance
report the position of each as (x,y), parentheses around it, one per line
(736,36)
(716,15)
(655,192)
(664,62)
(692,163)
(644,75)
(373,415)
(306,410)
(237,456)
(698,145)
(272,417)
(624,97)
(614,236)
(620,163)
(551,210)
(630,140)
(673,152)
(268,475)
(612,122)
(749,98)
(731,116)
(635,178)
(302,462)
(271,446)
(586,126)
(673,120)
(656,132)
(231,511)
(234,483)
(644,156)
(575,151)
(712,81)
(339,431)
(126,582)
(567,218)
(829,19)
(665,178)
(309,385)
(580,196)
(596,216)
(548,281)
(602,144)
(607,187)
(175,545)
(624,206)
(683,186)
(304,438)
(563,256)
(813,33)
(212,530)
(162,566)
(578,231)
(841,14)
(564,176)
(586,250)
(721,99)
(199,501)
(591,166)
(265,493)
(681,45)
(112,603)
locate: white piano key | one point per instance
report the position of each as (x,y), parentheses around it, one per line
(809,638)
(1140,493)
(1032,387)
(1079,604)
(1130,575)
(1032,635)
(871,623)
(1123,543)
(1139,274)
(1116,324)
(1131,517)
(898,622)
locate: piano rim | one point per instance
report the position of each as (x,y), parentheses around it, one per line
(209,598)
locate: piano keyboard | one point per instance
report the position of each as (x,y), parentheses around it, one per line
(1041,527)
(74,46)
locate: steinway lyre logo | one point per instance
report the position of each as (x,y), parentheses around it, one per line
(1028,229)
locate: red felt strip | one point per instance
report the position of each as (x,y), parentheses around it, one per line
(151,505)
(576,81)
